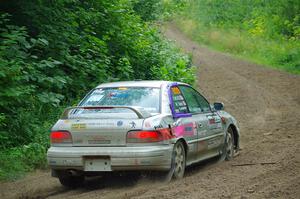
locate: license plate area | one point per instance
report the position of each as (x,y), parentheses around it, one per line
(97,163)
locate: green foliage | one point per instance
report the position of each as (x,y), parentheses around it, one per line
(182,70)
(264,31)
(18,160)
(54,52)
(173,7)
(148,10)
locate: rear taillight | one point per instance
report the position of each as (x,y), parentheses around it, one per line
(148,136)
(60,137)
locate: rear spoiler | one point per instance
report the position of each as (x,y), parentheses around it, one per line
(140,112)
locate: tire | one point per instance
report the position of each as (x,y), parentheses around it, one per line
(178,162)
(229,144)
(71,182)
(228,147)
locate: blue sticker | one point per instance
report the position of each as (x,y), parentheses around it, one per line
(119,123)
(188,128)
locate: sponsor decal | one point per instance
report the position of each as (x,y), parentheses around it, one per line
(68,162)
(211,121)
(133,124)
(78,126)
(78,141)
(218,120)
(185,130)
(175,90)
(66,121)
(101,124)
(188,128)
(114,95)
(119,123)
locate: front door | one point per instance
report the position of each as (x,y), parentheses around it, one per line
(210,134)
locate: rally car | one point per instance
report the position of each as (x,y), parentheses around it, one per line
(139,126)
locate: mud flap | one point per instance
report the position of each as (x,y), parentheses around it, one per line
(170,173)
(54,173)
(223,151)
(223,154)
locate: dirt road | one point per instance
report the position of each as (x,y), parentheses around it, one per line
(266,103)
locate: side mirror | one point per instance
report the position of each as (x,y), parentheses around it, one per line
(219,106)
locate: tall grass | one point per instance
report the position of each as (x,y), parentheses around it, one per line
(237,37)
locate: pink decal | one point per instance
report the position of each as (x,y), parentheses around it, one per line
(184,130)
(179,131)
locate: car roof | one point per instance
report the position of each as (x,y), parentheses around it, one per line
(137,83)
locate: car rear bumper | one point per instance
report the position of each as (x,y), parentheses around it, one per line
(119,158)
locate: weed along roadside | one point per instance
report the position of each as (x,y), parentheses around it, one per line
(266,33)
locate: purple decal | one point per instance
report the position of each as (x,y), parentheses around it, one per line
(175,115)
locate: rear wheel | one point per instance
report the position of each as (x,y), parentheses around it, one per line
(178,162)
(70,181)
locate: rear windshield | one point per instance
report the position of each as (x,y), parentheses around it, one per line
(145,97)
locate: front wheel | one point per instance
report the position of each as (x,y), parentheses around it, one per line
(229,145)
(228,148)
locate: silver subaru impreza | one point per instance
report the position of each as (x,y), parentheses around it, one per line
(139,125)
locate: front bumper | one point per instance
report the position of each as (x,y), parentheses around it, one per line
(120,158)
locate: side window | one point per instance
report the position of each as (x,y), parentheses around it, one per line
(203,103)
(195,101)
(178,101)
(190,96)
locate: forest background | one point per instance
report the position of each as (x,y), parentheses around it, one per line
(52,52)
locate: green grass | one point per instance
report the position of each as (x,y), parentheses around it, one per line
(280,54)
(265,32)
(16,162)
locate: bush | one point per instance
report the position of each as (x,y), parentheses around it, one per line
(53,52)
(18,160)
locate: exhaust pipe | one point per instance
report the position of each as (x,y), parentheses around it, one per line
(72,172)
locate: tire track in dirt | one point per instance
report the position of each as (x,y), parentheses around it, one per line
(266,103)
